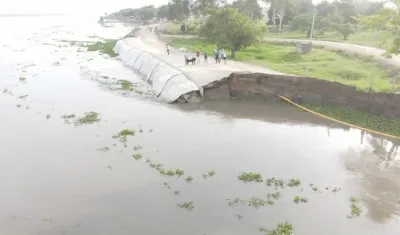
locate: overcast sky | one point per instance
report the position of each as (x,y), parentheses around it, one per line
(77,6)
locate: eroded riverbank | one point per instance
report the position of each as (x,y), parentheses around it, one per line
(62,178)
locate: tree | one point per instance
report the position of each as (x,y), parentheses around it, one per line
(163,12)
(179,9)
(201,6)
(147,12)
(347,10)
(302,23)
(345,29)
(229,27)
(250,8)
(386,19)
(280,8)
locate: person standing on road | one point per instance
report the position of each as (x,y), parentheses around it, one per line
(198,56)
(168,49)
(206,57)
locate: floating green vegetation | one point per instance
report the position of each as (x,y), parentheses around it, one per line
(259,202)
(148,160)
(187,205)
(126,85)
(235,202)
(48,116)
(189,179)
(18,106)
(274,196)
(137,156)
(239,216)
(278,183)
(88,118)
(109,167)
(105,47)
(68,116)
(123,135)
(211,173)
(298,199)
(294,183)
(315,189)
(22,79)
(137,147)
(355,209)
(167,185)
(282,229)
(22,96)
(179,172)
(362,119)
(104,149)
(251,177)
(170,172)
(177,192)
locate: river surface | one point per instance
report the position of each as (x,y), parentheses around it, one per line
(58,177)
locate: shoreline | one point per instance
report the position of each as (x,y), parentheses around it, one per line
(231,81)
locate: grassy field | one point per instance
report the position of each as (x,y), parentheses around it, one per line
(366,120)
(378,39)
(344,68)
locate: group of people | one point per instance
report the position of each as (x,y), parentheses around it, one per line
(219,55)
(194,57)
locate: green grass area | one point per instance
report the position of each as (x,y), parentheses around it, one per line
(378,39)
(104,47)
(367,120)
(342,67)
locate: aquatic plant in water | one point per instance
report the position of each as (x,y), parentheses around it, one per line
(137,147)
(355,209)
(189,179)
(235,202)
(187,205)
(88,118)
(104,149)
(274,196)
(251,177)
(211,173)
(123,134)
(294,183)
(298,199)
(278,183)
(137,156)
(282,229)
(179,172)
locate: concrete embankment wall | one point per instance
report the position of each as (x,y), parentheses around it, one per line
(168,82)
(303,90)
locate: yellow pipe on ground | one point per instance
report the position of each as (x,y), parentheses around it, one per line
(334,120)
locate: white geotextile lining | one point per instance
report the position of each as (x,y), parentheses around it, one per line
(168,82)
(177,86)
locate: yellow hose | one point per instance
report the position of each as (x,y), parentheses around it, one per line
(334,120)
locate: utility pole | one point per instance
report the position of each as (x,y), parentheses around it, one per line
(313,21)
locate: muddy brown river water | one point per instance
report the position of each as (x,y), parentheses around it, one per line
(60,178)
